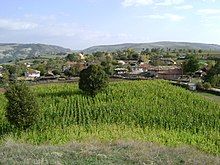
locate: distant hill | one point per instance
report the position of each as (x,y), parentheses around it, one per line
(10,51)
(165,44)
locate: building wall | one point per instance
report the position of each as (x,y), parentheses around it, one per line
(32,75)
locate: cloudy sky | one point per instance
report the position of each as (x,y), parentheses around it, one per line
(78,24)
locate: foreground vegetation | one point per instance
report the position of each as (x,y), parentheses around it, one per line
(210,96)
(93,152)
(140,110)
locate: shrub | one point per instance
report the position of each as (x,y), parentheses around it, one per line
(199,86)
(56,72)
(191,65)
(213,75)
(93,80)
(22,110)
(207,85)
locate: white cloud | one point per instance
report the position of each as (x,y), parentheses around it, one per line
(171,17)
(155,16)
(209,0)
(8,24)
(184,7)
(128,3)
(209,11)
(170,2)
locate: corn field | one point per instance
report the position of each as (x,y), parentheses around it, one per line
(140,107)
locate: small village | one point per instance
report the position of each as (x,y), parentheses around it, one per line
(119,82)
(127,64)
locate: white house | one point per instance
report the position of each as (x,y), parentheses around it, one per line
(120,71)
(81,56)
(120,62)
(32,73)
(28,65)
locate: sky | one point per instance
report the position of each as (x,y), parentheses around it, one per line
(78,24)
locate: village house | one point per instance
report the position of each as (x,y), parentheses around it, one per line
(166,72)
(1,71)
(168,61)
(32,73)
(120,71)
(121,62)
(182,57)
(137,70)
(81,57)
(199,73)
(28,65)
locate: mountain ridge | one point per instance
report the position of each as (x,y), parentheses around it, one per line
(11,51)
(160,44)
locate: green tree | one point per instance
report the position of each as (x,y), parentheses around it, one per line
(5,76)
(71,57)
(22,110)
(73,71)
(213,75)
(107,67)
(200,51)
(191,65)
(12,70)
(93,80)
(42,69)
(56,72)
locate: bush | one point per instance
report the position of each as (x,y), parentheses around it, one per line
(207,85)
(56,72)
(93,80)
(213,75)
(191,65)
(199,86)
(22,110)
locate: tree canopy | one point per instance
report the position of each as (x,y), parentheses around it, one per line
(22,110)
(191,65)
(213,75)
(93,80)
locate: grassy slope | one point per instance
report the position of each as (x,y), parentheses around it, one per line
(210,96)
(139,110)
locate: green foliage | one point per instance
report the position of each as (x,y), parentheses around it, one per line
(71,72)
(107,67)
(5,76)
(56,72)
(22,110)
(213,75)
(135,56)
(191,65)
(11,71)
(154,111)
(207,85)
(54,64)
(42,69)
(93,80)
(199,86)
(71,57)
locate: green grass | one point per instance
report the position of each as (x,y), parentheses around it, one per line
(93,152)
(134,110)
(210,96)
